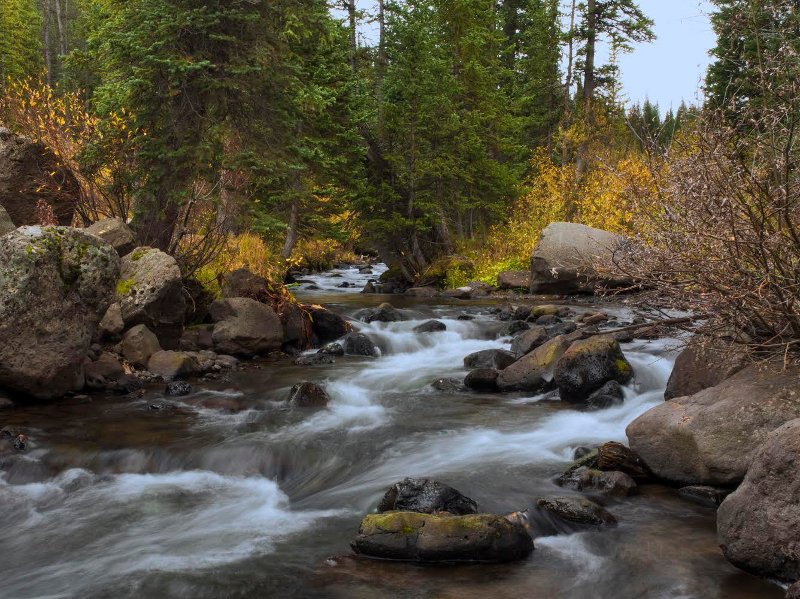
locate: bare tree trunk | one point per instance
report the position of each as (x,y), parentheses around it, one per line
(48,57)
(351,15)
(294,219)
(62,28)
(589,86)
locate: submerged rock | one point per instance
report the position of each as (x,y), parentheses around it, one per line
(426,496)
(332,349)
(758,525)
(431,326)
(482,379)
(589,364)
(384,313)
(710,496)
(448,385)
(710,438)
(314,360)
(55,285)
(411,536)
(612,484)
(177,389)
(577,510)
(308,395)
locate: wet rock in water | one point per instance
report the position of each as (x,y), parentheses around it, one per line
(709,496)
(519,280)
(429,538)
(332,349)
(593,318)
(615,456)
(609,395)
(482,379)
(576,510)
(243,283)
(710,438)
(547,320)
(427,496)
(314,360)
(534,372)
(465,317)
(245,327)
(158,406)
(55,284)
(384,313)
(431,326)
(116,233)
(611,484)
(308,395)
(490,358)
(177,389)
(512,328)
(702,365)
(150,292)
(758,525)
(327,325)
(529,340)
(582,452)
(562,328)
(344,285)
(369,287)
(226,362)
(589,364)
(358,344)
(20,442)
(448,385)
(313,287)
(521,313)
(422,292)
(173,364)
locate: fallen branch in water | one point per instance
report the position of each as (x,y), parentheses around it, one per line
(644,325)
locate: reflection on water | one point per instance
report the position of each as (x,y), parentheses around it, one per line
(230,492)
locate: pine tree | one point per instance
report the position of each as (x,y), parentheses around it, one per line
(20,41)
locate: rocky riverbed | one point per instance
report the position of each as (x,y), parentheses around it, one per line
(231,490)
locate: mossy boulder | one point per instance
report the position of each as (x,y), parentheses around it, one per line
(150,292)
(534,371)
(432,538)
(55,285)
(589,364)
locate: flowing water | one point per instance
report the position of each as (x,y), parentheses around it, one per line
(229,492)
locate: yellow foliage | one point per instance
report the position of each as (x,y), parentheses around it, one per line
(248,251)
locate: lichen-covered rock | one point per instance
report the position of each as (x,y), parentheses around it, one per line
(426,496)
(566,259)
(702,366)
(482,379)
(116,233)
(589,364)
(245,327)
(30,173)
(55,284)
(577,511)
(6,224)
(534,372)
(173,365)
(490,358)
(758,525)
(411,536)
(308,395)
(138,344)
(150,292)
(710,438)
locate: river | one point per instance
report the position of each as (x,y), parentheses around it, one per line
(229,492)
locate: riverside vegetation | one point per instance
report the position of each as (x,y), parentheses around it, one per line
(240,228)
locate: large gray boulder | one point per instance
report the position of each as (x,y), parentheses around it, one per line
(566,257)
(703,365)
(710,438)
(245,327)
(411,536)
(6,224)
(534,372)
(150,292)
(31,176)
(116,233)
(55,284)
(759,523)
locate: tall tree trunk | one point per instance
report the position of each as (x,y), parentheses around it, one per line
(589,86)
(48,56)
(351,16)
(294,219)
(62,27)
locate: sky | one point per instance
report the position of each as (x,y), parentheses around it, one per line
(666,71)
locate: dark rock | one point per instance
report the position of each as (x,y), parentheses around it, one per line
(591,319)
(794,591)
(369,287)
(521,313)
(177,388)
(513,327)
(358,344)
(566,256)
(482,379)
(426,496)
(327,325)
(562,328)
(576,510)
(448,385)
(514,280)
(197,338)
(611,484)
(344,285)
(581,452)
(106,369)
(529,340)
(198,302)
(479,288)
(709,496)
(314,360)
(422,292)
(20,442)
(116,233)
(411,536)
(313,287)
(489,358)
(243,283)
(31,174)
(758,525)
(431,326)
(298,332)
(547,320)
(612,457)
(710,438)
(465,317)
(609,395)
(308,395)
(383,313)
(333,349)
(589,364)
(534,372)
(703,365)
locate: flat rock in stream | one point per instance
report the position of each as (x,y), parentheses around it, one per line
(429,538)
(577,510)
(426,496)
(431,326)
(611,484)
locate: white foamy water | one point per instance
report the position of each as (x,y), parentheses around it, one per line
(331,281)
